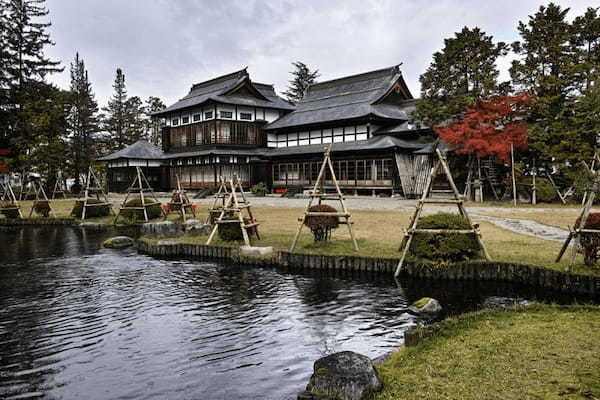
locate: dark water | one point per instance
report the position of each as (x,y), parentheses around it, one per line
(81,322)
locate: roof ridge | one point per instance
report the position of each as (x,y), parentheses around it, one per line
(340,95)
(221,78)
(335,80)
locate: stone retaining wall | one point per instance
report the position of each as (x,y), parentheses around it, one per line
(485,271)
(38,222)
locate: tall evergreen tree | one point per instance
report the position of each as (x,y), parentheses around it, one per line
(134,120)
(461,74)
(303,77)
(82,118)
(585,41)
(152,124)
(546,70)
(115,120)
(24,38)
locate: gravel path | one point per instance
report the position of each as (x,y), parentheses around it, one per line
(526,227)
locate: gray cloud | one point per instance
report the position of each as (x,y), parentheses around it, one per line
(164,46)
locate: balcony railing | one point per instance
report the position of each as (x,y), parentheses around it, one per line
(214,132)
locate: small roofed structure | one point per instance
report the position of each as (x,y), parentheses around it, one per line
(121,166)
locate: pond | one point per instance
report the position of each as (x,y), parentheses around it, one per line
(81,322)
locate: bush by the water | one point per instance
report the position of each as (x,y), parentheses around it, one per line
(132,209)
(448,247)
(10,210)
(230,232)
(590,241)
(321,226)
(91,212)
(545,192)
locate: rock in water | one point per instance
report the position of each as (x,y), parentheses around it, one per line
(118,242)
(161,229)
(344,376)
(426,305)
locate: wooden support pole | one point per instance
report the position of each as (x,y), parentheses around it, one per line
(514,181)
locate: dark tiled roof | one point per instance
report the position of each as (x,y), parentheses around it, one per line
(374,143)
(218,89)
(350,97)
(141,149)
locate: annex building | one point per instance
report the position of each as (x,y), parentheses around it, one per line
(231,125)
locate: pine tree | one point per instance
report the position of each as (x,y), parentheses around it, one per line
(134,120)
(546,70)
(303,78)
(152,124)
(24,38)
(115,120)
(82,118)
(585,41)
(463,73)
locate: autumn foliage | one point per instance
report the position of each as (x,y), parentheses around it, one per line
(490,127)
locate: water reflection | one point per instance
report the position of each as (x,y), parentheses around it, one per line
(79,321)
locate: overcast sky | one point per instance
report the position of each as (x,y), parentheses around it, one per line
(164,46)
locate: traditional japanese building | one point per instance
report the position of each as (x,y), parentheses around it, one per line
(368,120)
(231,125)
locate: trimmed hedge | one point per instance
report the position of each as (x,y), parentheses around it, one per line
(230,232)
(590,241)
(90,212)
(322,225)
(153,209)
(444,247)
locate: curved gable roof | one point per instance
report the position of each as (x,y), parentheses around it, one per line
(141,150)
(349,97)
(223,89)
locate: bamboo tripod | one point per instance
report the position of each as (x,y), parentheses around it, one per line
(9,201)
(320,194)
(94,187)
(456,199)
(40,196)
(578,229)
(139,185)
(219,200)
(60,186)
(234,207)
(181,202)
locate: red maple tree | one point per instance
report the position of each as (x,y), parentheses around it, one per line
(490,127)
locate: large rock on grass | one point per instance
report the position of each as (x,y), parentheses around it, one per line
(118,242)
(343,376)
(195,227)
(426,306)
(161,229)
(496,302)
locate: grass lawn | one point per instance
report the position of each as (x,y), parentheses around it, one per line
(542,352)
(379,234)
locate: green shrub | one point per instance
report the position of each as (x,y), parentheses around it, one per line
(545,192)
(260,189)
(230,232)
(321,226)
(446,247)
(153,209)
(90,212)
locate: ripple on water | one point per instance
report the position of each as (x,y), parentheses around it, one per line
(79,321)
